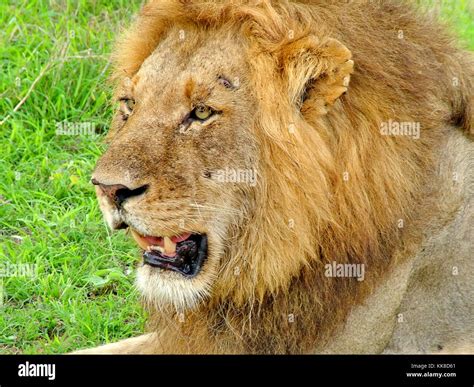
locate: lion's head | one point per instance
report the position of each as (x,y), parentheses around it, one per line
(232,156)
(185,121)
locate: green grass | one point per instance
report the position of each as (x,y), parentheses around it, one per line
(83,292)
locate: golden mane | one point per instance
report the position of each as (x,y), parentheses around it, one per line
(330,186)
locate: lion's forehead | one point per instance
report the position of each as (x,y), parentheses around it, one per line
(202,56)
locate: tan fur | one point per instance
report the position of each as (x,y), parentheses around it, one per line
(330,187)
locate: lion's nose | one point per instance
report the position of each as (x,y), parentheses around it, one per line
(118,193)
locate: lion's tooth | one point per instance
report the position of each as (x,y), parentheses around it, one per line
(139,239)
(170,246)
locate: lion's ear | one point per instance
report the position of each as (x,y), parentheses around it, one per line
(316,70)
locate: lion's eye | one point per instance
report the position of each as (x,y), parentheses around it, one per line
(130,104)
(202,112)
(126,107)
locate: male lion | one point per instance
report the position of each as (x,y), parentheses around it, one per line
(280,209)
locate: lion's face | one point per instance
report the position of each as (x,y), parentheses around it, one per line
(181,166)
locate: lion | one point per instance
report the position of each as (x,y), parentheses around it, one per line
(297,175)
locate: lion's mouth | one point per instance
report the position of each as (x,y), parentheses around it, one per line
(183,253)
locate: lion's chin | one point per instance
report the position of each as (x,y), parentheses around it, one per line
(161,288)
